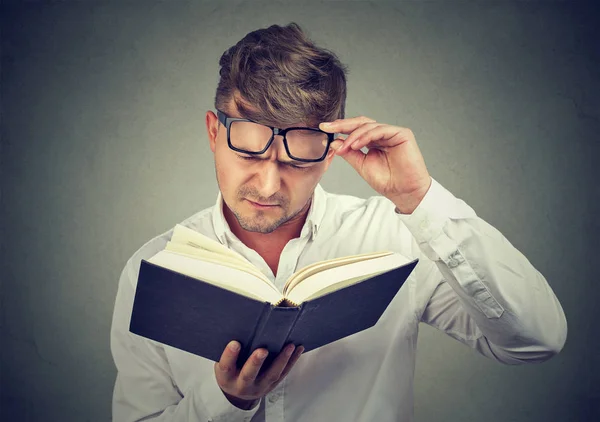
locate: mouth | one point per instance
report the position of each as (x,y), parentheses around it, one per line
(262,206)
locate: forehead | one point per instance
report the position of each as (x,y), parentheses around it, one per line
(232,111)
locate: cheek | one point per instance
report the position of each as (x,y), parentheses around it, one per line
(228,175)
(302,186)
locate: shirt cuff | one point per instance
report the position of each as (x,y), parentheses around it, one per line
(427,222)
(218,406)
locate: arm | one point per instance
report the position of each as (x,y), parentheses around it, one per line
(144,387)
(486,293)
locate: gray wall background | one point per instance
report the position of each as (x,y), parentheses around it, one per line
(104,146)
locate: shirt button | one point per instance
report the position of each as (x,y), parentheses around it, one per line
(455,259)
(274,398)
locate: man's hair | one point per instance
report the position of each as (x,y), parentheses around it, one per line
(282,74)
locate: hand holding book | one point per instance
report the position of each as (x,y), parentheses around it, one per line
(243,388)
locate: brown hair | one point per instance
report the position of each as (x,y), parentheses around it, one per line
(284,77)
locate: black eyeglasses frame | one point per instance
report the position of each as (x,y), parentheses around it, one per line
(226,121)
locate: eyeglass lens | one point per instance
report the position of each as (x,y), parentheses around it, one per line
(303,143)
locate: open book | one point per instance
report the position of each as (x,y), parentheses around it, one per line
(197,295)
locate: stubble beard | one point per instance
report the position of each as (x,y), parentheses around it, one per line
(260,223)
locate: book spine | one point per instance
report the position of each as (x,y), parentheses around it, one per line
(274,331)
(288,338)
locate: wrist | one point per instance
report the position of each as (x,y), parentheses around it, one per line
(406,204)
(241,403)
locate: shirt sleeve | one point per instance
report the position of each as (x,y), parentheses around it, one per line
(486,293)
(144,388)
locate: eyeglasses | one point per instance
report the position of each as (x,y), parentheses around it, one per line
(301,143)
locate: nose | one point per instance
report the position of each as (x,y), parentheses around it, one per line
(269,176)
(269,179)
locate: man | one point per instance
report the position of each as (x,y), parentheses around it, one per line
(470,283)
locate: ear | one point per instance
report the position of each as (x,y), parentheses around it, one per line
(330,154)
(212,128)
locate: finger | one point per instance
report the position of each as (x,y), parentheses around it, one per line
(273,374)
(345,126)
(358,135)
(336,144)
(355,159)
(380,136)
(226,368)
(251,368)
(292,361)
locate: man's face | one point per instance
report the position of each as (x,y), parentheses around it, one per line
(263,192)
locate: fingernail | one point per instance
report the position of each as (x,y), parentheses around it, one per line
(261,354)
(354,144)
(234,346)
(290,350)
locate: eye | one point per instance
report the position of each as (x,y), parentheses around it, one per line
(243,157)
(289,165)
(296,166)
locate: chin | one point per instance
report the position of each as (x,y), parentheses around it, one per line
(258,223)
(255,227)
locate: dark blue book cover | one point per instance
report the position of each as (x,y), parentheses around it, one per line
(201,318)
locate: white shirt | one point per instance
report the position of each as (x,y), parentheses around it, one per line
(470,283)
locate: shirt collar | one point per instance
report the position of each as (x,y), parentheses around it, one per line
(311,226)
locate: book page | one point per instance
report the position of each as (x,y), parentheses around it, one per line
(316,267)
(191,242)
(339,277)
(216,258)
(185,235)
(232,279)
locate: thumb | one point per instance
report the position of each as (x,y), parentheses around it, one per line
(354,157)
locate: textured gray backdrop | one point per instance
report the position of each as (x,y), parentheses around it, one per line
(104,146)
